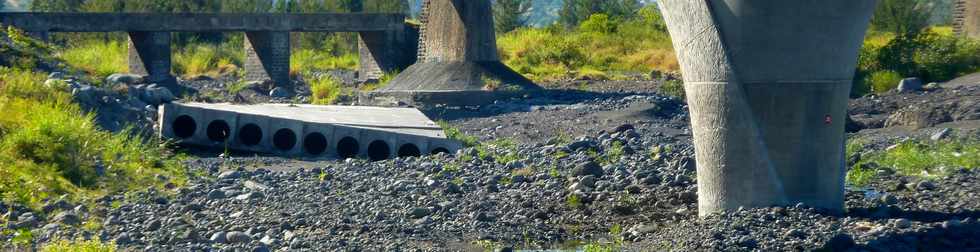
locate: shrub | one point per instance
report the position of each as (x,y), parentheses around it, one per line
(883,81)
(325,90)
(916,158)
(598,23)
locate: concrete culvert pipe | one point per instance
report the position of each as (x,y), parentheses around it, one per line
(379,150)
(184,126)
(348,147)
(767,82)
(409,150)
(250,134)
(315,143)
(284,139)
(218,131)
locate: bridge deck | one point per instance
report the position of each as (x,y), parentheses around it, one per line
(202,22)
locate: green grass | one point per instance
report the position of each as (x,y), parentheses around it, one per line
(385,79)
(325,90)
(50,147)
(79,246)
(305,60)
(98,58)
(924,159)
(598,49)
(207,59)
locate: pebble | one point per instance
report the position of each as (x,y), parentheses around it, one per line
(238,237)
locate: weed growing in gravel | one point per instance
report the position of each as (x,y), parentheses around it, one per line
(50,147)
(926,159)
(80,246)
(237,86)
(98,58)
(573,201)
(883,81)
(455,133)
(325,90)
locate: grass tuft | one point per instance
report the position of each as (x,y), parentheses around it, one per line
(925,159)
(326,90)
(79,246)
(98,58)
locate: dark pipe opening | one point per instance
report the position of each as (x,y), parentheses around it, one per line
(284,139)
(315,143)
(184,126)
(409,150)
(348,147)
(379,150)
(218,131)
(440,150)
(250,134)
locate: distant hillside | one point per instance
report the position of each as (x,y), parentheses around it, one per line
(15,5)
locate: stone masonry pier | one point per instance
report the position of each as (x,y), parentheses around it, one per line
(386,46)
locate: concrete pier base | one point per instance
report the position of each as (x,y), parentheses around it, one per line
(267,58)
(457,59)
(767,84)
(386,52)
(149,55)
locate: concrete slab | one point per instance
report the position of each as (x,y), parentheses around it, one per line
(305,130)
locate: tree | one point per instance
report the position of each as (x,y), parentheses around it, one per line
(574,12)
(55,5)
(508,14)
(903,17)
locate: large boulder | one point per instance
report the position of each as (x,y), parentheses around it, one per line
(121,78)
(910,85)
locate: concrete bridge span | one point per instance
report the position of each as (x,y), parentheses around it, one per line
(767,83)
(387,43)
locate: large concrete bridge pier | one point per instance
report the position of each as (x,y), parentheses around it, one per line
(457,60)
(767,83)
(149,55)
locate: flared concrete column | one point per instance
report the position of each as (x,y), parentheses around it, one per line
(149,55)
(386,52)
(767,82)
(457,59)
(267,57)
(966,18)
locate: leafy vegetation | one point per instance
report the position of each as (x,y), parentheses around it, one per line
(455,133)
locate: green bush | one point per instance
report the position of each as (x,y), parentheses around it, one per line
(915,158)
(672,88)
(325,90)
(598,23)
(883,81)
(305,60)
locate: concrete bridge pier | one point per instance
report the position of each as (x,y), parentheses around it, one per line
(149,55)
(267,57)
(767,84)
(457,61)
(385,52)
